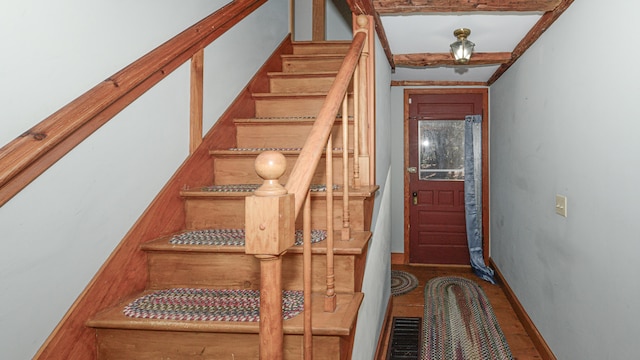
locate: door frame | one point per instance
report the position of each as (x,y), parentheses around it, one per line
(485,163)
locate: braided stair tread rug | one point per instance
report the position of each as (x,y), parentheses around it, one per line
(231,237)
(209,305)
(402,282)
(459,323)
(253,187)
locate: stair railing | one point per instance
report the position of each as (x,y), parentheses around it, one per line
(272,211)
(32,153)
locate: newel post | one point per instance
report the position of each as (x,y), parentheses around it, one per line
(270,231)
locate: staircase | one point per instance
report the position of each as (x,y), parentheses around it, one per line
(283,119)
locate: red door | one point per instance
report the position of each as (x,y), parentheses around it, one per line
(437,228)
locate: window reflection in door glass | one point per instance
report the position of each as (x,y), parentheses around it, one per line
(441,149)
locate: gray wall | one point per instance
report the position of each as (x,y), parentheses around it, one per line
(564,120)
(61,228)
(338,20)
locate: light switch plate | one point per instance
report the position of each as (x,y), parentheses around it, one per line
(561,205)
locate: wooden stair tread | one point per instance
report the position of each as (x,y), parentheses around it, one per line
(338,323)
(356,246)
(363,191)
(309,74)
(306,120)
(257,151)
(329,56)
(286,95)
(312,47)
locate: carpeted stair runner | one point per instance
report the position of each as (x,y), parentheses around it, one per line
(459,323)
(231,237)
(253,187)
(209,305)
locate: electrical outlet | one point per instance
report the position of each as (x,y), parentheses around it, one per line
(561,205)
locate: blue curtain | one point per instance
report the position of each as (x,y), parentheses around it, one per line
(473,194)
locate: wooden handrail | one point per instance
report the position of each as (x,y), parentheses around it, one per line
(303,170)
(25,158)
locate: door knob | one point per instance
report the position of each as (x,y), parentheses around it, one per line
(415,198)
(412,170)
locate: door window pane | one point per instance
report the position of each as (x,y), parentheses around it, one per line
(441,149)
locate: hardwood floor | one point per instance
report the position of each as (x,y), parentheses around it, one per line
(412,304)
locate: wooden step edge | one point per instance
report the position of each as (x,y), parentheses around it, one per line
(199,193)
(163,244)
(338,323)
(276,120)
(285,95)
(320,42)
(341,322)
(323,56)
(355,246)
(302,74)
(311,49)
(293,96)
(256,151)
(296,120)
(362,192)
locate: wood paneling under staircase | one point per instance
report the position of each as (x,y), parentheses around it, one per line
(283,116)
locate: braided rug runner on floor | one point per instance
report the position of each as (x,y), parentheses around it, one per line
(402,282)
(459,323)
(209,305)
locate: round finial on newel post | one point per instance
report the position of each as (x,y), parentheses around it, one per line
(362,21)
(270,166)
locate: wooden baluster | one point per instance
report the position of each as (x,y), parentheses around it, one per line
(330,297)
(356,125)
(195,112)
(346,225)
(270,231)
(365,108)
(306,272)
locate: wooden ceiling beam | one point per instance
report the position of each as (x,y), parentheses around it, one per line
(442,59)
(436,83)
(532,36)
(448,6)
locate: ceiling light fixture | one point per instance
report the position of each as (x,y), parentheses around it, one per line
(462,48)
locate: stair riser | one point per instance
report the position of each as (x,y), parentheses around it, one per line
(320,49)
(241,170)
(298,106)
(301,84)
(311,64)
(206,213)
(172,345)
(211,270)
(216,213)
(283,135)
